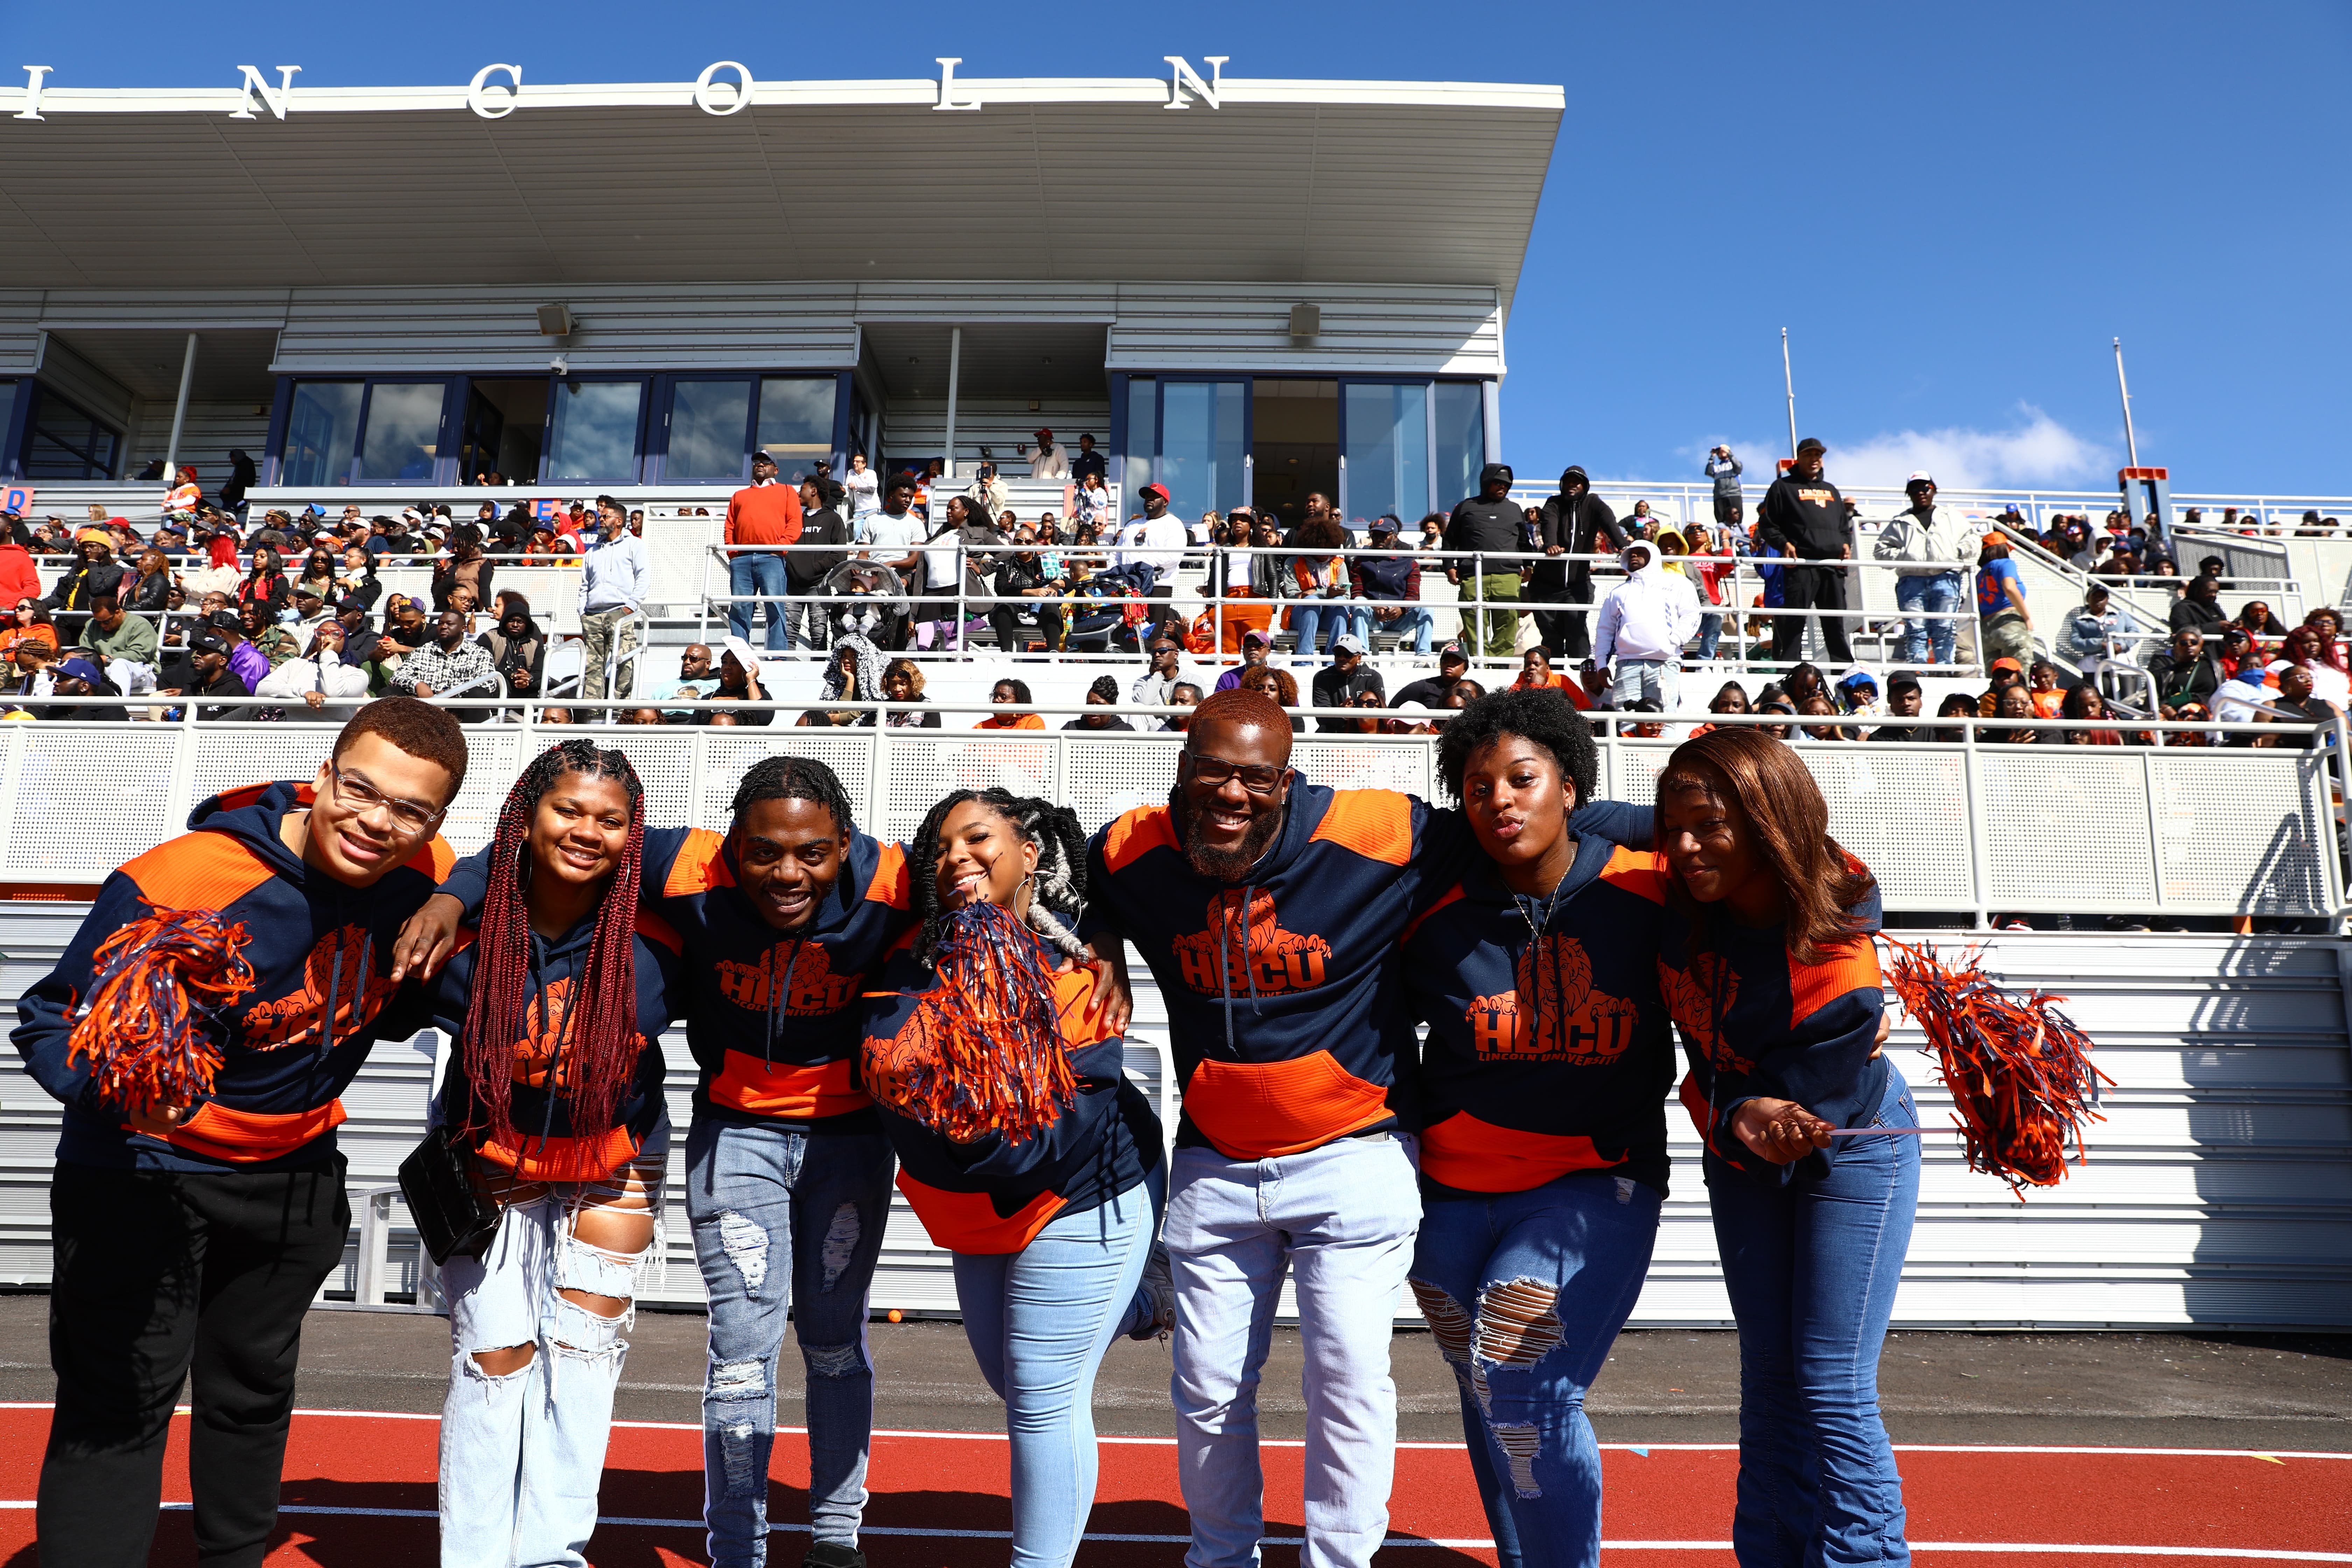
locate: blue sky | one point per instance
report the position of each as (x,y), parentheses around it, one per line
(1953,209)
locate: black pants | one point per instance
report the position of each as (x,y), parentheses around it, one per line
(1012,638)
(159,1273)
(1811,587)
(1727,510)
(1563,631)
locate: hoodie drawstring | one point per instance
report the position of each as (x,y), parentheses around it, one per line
(775,994)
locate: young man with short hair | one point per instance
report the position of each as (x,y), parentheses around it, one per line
(192,1230)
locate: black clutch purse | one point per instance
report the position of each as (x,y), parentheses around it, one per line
(453,1217)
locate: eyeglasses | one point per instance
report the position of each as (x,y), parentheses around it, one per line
(363,797)
(1258,778)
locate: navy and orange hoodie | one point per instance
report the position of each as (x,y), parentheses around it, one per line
(1283,1007)
(321,957)
(994,1195)
(550,1149)
(1757,1024)
(1545,1055)
(771,1016)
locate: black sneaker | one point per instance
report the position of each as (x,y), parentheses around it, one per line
(832,1554)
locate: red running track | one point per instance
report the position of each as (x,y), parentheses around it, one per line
(359,1488)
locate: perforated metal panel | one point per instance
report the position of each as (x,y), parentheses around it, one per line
(2262,858)
(729,752)
(1904,810)
(1399,764)
(917,770)
(1101,778)
(2039,846)
(83,798)
(664,760)
(494,756)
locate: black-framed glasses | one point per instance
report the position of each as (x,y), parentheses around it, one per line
(1258,778)
(362,797)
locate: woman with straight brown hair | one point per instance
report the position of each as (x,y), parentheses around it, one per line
(1774,983)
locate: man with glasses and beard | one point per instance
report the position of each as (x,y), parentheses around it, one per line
(1269,910)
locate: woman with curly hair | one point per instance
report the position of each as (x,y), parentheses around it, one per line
(1542,1088)
(1021,1146)
(557,1006)
(1773,980)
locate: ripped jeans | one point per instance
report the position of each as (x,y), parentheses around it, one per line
(522,1452)
(1525,1293)
(784,1220)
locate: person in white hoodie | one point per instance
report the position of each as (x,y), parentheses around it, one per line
(1932,545)
(1640,631)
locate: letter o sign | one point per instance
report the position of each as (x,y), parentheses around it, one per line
(478,100)
(741,99)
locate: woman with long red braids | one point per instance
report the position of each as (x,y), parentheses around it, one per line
(1022,1147)
(557,1003)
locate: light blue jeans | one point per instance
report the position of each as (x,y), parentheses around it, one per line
(1655,680)
(1812,1267)
(1332,618)
(761,574)
(522,1453)
(1930,593)
(1039,1320)
(1711,633)
(1414,624)
(784,1220)
(1341,1220)
(1525,1293)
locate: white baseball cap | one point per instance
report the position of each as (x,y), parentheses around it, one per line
(1919,478)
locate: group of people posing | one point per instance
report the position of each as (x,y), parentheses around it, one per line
(955,1008)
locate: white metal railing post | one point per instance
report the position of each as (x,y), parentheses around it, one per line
(1979,826)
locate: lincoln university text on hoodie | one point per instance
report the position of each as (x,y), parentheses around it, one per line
(994,1194)
(1283,1001)
(552,1149)
(1758,1024)
(772,1016)
(1546,1053)
(321,958)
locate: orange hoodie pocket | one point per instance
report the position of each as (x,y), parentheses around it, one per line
(1474,1156)
(245,1136)
(1256,1110)
(968,1222)
(751,1085)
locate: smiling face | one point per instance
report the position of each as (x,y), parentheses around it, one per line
(983,860)
(788,856)
(1706,839)
(1518,804)
(579,830)
(1227,822)
(358,842)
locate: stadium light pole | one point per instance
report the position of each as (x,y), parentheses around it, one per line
(2131,441)
(1790,381)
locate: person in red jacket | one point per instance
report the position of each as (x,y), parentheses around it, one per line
(762,519)
(195,1212)
(19,578)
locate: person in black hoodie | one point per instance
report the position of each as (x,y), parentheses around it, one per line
(195,1213)
(1573,523)
(1804,516)
(1489,522)
(805,569)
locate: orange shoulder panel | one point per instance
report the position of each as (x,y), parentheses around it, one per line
(1851,965)
(1136,833)
(1375,823)
(436,860)
(698,867)
(652,927)
(239,798)
(1452,896)
(889,884)
(197,871)
(1083,1024)
(1638,871)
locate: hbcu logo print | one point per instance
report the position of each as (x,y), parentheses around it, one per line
(1554,1014)
(1691,999)
(333,964)
(816,990)
(1257,952)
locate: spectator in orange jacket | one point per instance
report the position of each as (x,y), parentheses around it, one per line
(762,518)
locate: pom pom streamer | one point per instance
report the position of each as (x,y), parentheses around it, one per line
(159,979)
(982,1052)
(2020,1071)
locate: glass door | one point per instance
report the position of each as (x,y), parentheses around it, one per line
(709,431)
(1384,452)
(1203,437)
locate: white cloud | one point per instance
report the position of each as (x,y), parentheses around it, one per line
(2038,451)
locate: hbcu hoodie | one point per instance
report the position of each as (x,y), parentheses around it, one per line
(771,1016)
(994,1194)
(538,1105)
(321,958)
(1546,1054)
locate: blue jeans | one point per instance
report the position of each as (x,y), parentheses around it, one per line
(1331,618)
(1525,1293)
(1930,593)
(1414,624)
(1710,634)
(1039,1320)
(1811,1267)
(763,575)
(784,1220)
